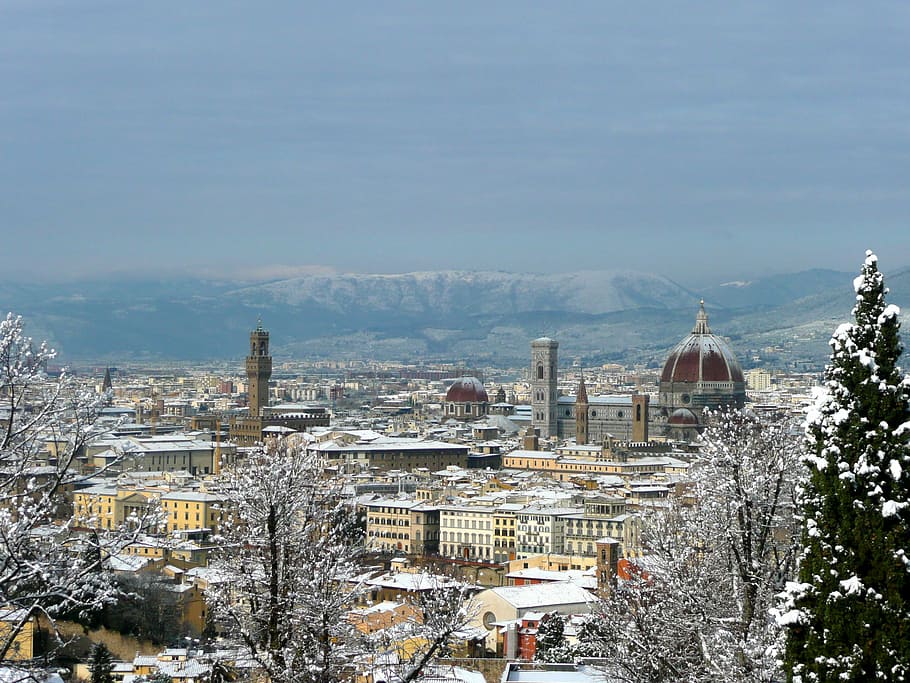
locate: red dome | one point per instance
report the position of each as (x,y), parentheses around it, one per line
(467,390)
(702,357)
(682,417)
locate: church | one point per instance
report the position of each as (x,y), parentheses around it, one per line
(701,373)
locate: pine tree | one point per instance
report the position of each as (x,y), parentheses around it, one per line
(551,640)
(102,664)
(848,616)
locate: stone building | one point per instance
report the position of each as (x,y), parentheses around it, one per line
(251,429)
(700,373)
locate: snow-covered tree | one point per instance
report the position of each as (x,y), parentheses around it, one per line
(745,479)
(551,640)
(44,424)
(442,612)
(716,557)
(289,557)
(848,616)
(288,577)
(101,664)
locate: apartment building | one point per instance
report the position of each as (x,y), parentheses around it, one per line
(466,531)
(402,525)
(192,510)
(602,517)
(541,529)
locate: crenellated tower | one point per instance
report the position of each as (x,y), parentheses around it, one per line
(258,370)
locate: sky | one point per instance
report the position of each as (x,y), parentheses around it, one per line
(699,140)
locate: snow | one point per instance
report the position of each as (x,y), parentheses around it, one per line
(891,508)
(852,586)
(544,595)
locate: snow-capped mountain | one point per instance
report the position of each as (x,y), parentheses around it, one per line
(482,316)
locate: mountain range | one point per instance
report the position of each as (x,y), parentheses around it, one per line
(476,317)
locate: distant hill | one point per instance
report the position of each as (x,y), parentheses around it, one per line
(445,315)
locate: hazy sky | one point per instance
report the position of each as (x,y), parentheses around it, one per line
(677,137)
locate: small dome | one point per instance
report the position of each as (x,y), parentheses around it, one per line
(467,390)
(682,417)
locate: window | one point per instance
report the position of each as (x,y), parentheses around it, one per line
(539,371)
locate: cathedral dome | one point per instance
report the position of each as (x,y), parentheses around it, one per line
(467,390)
(702,372)
(682,417)
(702,357)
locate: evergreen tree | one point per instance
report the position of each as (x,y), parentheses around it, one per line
(102,664)
(551,640)
(848,616)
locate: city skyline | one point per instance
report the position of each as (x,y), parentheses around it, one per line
(172,139)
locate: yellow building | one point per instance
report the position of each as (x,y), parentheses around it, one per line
(191,510)
(402,526)
(107,507)
(23,646)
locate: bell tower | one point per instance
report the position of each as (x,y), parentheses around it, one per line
(258,370)
(543,386)
(640,403)
(581,413)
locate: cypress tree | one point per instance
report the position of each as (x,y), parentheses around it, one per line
(551,640)
(847,618)
(102,665)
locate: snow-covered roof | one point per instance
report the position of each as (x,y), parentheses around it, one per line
(411,581)
(544,595)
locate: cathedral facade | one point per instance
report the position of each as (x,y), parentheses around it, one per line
(701,373)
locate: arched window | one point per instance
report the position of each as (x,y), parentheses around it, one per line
(638,413)
(540,372)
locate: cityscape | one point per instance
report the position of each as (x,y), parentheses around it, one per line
(427,343)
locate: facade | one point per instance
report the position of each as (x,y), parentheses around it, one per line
(598,418)
(193,510)
(504,532)
(402,526)
(602,517)
(701,373)
(466,532)
(541,530)
(390,453)
(164,453)
(564,467)
(109,507)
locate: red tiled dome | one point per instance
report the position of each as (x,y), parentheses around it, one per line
(702,357)
(467,390)
(682,417)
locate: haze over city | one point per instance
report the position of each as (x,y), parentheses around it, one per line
(716,141)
